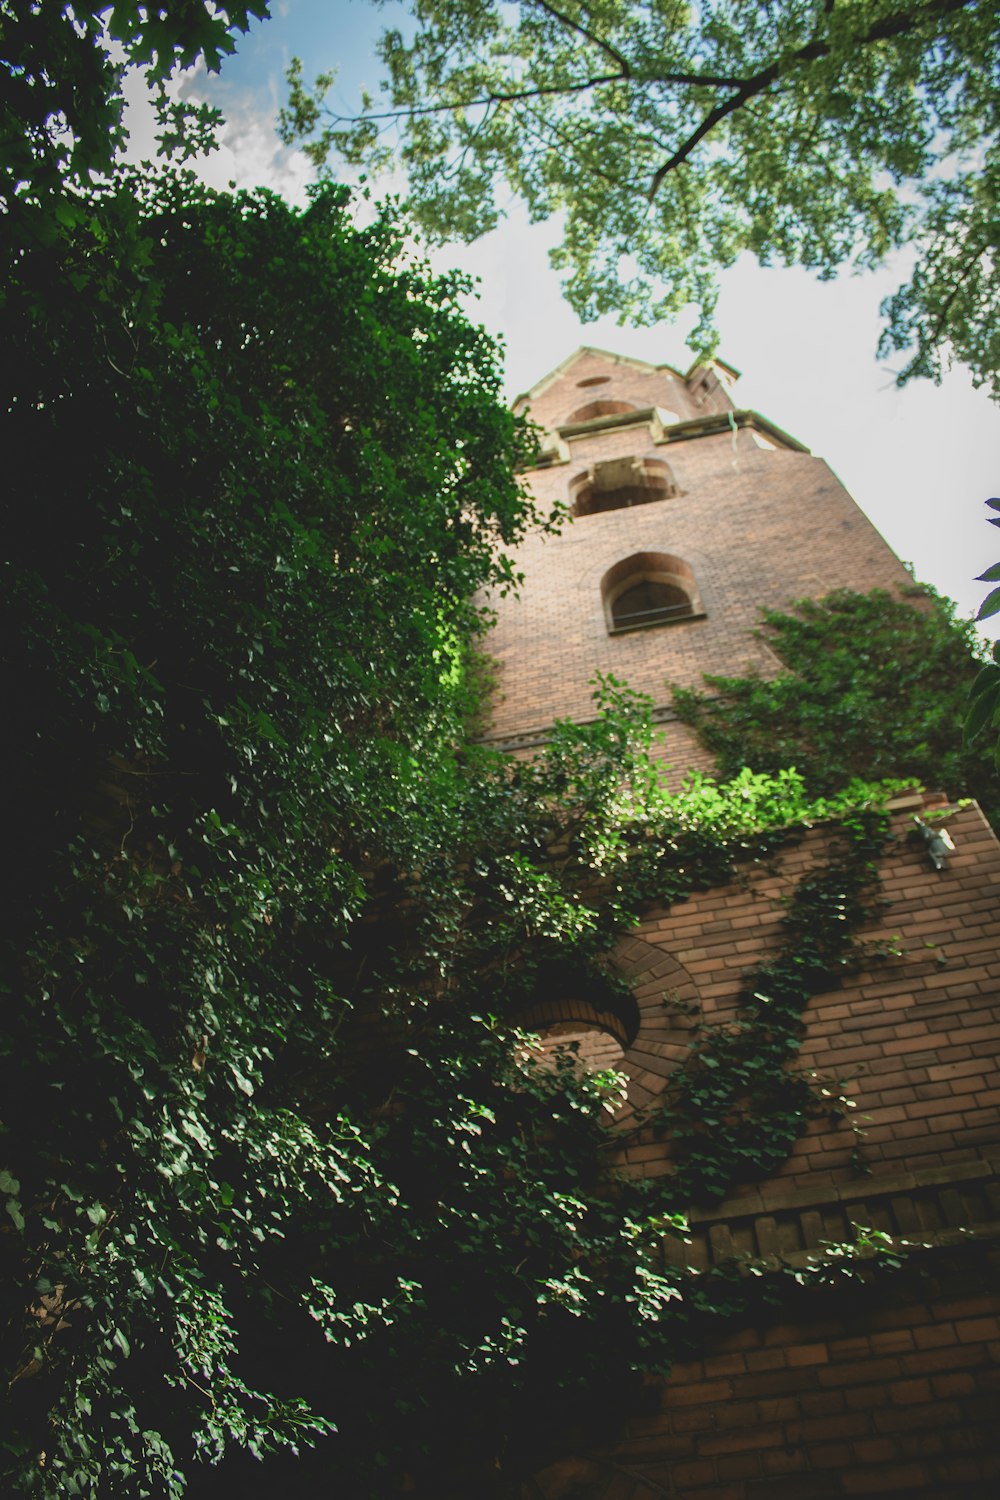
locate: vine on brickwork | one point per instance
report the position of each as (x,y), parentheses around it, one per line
(739,1104)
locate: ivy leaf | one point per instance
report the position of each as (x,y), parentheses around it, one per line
(982,709)
(988,677)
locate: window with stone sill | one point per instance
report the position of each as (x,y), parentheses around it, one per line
(649,589)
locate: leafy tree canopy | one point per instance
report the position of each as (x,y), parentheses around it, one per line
(63,67)
(257,467)
(983,710)
(670,138)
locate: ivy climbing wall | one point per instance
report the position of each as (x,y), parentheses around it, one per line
(907,1048)
(888,1156)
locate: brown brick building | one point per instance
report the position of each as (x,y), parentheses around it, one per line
(688,515)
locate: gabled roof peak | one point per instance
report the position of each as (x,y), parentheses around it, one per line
(590,350)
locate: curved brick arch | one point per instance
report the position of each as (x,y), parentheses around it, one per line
(649,1023)
(622,1022)
(593,568)
(663,991)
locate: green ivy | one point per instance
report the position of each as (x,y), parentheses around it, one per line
(872,686)
(738,1106)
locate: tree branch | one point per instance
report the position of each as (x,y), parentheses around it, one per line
(409,111)
(964,271)
(879,31)
(578,26)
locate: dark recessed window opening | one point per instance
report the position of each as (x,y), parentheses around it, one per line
(649,588)
(599,409)
(620,482)
(649,603)
(595,380)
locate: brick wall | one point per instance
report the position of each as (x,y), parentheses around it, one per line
(760,527)
(892,1387)
(891,1397)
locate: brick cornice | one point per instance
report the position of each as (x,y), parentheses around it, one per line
(931,1208)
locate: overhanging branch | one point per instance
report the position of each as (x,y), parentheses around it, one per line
(880,31)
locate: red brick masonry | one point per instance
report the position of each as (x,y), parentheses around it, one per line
(889,1389)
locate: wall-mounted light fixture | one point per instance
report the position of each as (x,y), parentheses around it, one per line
(938,843)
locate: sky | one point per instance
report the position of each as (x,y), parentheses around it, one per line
(919,461)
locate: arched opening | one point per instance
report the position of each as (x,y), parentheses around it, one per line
(582,1044)
(599,409)
(649,588)
(585,1021)
(618,483)
(594,380)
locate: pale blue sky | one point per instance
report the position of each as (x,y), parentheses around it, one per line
(920,462)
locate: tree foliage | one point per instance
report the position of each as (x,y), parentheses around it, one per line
(983,709)
(256,469)
(669,139)
(63,69)
(873,686)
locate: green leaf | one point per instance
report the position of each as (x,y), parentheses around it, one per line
(981,711)
(987,677)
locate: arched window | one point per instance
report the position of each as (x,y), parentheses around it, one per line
(599,409)
(649,588)
(620,482)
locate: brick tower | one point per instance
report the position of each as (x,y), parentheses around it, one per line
(688,514)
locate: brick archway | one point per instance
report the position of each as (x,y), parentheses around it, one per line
(663,991)
(648,1026)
